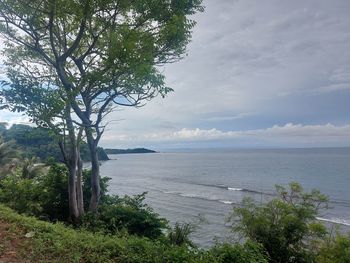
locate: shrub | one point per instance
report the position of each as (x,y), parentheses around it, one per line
(249,252)
(335,251)
(126,214)
(180,234)
(46,197)
(54,194)
(21,194)
(43,196)
(286,226)
(57,243)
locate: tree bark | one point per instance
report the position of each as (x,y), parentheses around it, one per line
(95,171)
(73,163)
(80,197)
(72,194)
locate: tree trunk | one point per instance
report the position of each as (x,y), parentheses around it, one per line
(72,160)
(95,171)
(72,195)
(80,198)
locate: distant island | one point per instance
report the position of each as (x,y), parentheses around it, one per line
(128,151)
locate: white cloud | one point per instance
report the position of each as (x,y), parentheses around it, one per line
(288,133)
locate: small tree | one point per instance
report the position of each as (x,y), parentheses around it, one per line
(100,53)
(286,226)
(7,157)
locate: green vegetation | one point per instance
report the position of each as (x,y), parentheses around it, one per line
(286,226)
(336,250)
(45,197)
(58,243)
(180,234)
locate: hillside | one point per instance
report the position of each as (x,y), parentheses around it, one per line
(38,142)
(26,239)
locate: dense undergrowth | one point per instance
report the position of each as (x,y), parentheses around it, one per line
(59,243)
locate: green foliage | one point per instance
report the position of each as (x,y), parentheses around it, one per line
(285,226)
(180,234)
(335,251)
(54,194)
(57,243)
(7,157)
(7,152)
(118,214)
(21,194)
(43,195)
(249,252)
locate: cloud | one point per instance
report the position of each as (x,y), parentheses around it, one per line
(256,57)
(288,133)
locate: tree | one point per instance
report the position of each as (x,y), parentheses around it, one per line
(100,54)
(47,108)
(7,157)
(286,226)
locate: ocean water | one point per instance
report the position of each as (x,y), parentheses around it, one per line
(186,186)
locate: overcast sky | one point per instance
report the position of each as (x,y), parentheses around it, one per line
(269,73)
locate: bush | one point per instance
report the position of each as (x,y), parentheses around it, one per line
(54,194)
(286,226)
(335,251)
(46,197)
(125,214)
(249,252)
(180,234)
(43,196)
(57,243)
(22,195)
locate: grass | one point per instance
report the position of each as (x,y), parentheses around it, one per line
(37,241)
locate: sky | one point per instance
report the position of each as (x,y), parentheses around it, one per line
(272,73)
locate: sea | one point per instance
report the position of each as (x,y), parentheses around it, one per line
(202,186)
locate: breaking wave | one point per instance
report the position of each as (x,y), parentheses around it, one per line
(340,221)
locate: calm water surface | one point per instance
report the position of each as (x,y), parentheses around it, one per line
(182,186)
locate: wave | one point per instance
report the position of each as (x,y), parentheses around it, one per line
(190,195)
(340,202)
(231,188)
(339,221)
(234,189)
(226,202)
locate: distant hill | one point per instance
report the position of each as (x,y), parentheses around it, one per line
(128,151)
(39,142)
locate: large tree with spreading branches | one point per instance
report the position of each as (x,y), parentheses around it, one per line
(99,54)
